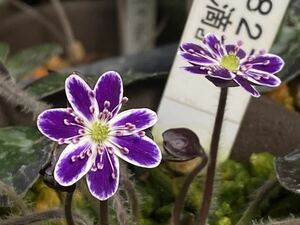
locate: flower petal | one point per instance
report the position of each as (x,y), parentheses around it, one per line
(196,69)
(213,44)
(142,119)
(68,171)
(261,78)
(196,59)
(109,87)
(79,96)
(51,124)
(101,182)
(231,50)
(247,86)
(267,62)
(142,151)
(194,49)
(222,74)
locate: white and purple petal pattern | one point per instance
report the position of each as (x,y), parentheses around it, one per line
(128,148)
(227,65)
(58,125)
(74,162)
(97,135)
(103,178)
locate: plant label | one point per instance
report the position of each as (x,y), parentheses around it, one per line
(190,100)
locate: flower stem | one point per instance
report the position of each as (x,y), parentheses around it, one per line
(261,195)
(104,212)
(179,202)
(211,169)
(68,208)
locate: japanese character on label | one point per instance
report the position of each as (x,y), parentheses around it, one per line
(200,33)
(218,16)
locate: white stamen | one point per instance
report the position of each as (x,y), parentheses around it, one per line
(100,166)
(69,110)
(124,150)
(124,100)
(75,140)
(92,109)
(78,120)
(66,122)
(142,133)
(73,158)
(61,141)
(106,104)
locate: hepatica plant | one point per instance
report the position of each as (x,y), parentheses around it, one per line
(228,65)
(96,134)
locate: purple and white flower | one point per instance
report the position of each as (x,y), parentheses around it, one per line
(227,65)
(97,135)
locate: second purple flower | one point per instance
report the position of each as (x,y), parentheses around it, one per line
(227,65)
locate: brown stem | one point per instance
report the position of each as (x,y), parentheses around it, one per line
(68,208)
(104,212)
(211,169)
(179,202)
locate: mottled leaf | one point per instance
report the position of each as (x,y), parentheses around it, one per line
(4,50)
(25,61)
(48,85)
(22,153)
(181,144)
(288,171)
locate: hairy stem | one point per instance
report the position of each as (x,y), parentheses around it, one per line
(179,202)
(41,216)
(13,94)
(12,195)
(211,169)
(132,194)
(120,210)
(104,212)
(68,208)
(254,206)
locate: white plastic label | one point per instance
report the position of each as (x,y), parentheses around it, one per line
(190,100)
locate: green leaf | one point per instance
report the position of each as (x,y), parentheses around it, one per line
(4,50)
(288,171)
(48,85)
(22,154)
(25,61)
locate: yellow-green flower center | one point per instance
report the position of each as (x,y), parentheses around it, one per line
(230,62)
(99,132)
